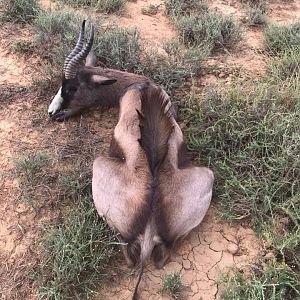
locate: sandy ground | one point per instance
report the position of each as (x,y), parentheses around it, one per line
(210,249)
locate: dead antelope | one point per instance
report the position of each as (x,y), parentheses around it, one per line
(88,86)
(147,189)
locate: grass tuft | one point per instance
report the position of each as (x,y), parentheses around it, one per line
(105,6)
(280,38)
(22,47)
(171,284)
(30,165)
(20,11)
(77,254)
(30,169)
(257,14)
(287,65)
(150,10)
(178,8)
(118,47)
(55,33)
(250,138)
(111,6)
(276,281)
(216,30)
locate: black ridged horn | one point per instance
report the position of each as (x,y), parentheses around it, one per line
(71,68)
(78,46)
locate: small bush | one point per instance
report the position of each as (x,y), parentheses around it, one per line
(76,255)
(287,65)
(185,7)
(56,34)
(251,139)
(217,31)
(279,38)
(118,47)
(110,6)
(277,281)
(150,10)
(257,14)
(22,46)
(30,165)
(80,3)
(171,284)
(20,11)
(106,6)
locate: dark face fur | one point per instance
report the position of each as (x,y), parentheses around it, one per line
(77,94)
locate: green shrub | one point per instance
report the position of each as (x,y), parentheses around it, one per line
(150,10)
(216,30)
(20,11)
(77,254)
(22,46)
(171,284)
(279,38)
(251,139)
(106,6)
(287,65)
(118,47)
(56,33)
(257,14)
(276,282)
(185,7)
(110,6)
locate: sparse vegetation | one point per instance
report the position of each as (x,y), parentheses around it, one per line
(287,65)
(30,165)
(220,128)
(276,281)
(280,38)
(119,48)
(257,14)
(77,254)
(22,47)
(216,30)
(56,30)
(171,285)
(30,169)
(150,10)
(178,8)
(19,11)
(249,135)
(106,6)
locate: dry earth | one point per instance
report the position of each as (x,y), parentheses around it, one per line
(210,249)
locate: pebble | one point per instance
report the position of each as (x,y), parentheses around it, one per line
(233,248)
(269,256)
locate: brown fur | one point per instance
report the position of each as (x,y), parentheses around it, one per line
(147,189)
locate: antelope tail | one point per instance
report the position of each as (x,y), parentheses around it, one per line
(134,296)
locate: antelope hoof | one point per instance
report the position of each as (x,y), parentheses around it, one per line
(60,116)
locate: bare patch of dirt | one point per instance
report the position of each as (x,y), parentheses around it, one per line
(284,12)
(14,69)
(155,30)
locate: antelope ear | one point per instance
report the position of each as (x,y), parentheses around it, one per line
(102,80)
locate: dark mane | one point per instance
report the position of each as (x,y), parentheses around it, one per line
(156,126)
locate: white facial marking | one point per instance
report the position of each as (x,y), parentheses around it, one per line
(56,103)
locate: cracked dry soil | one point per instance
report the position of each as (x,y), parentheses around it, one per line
(211,249)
